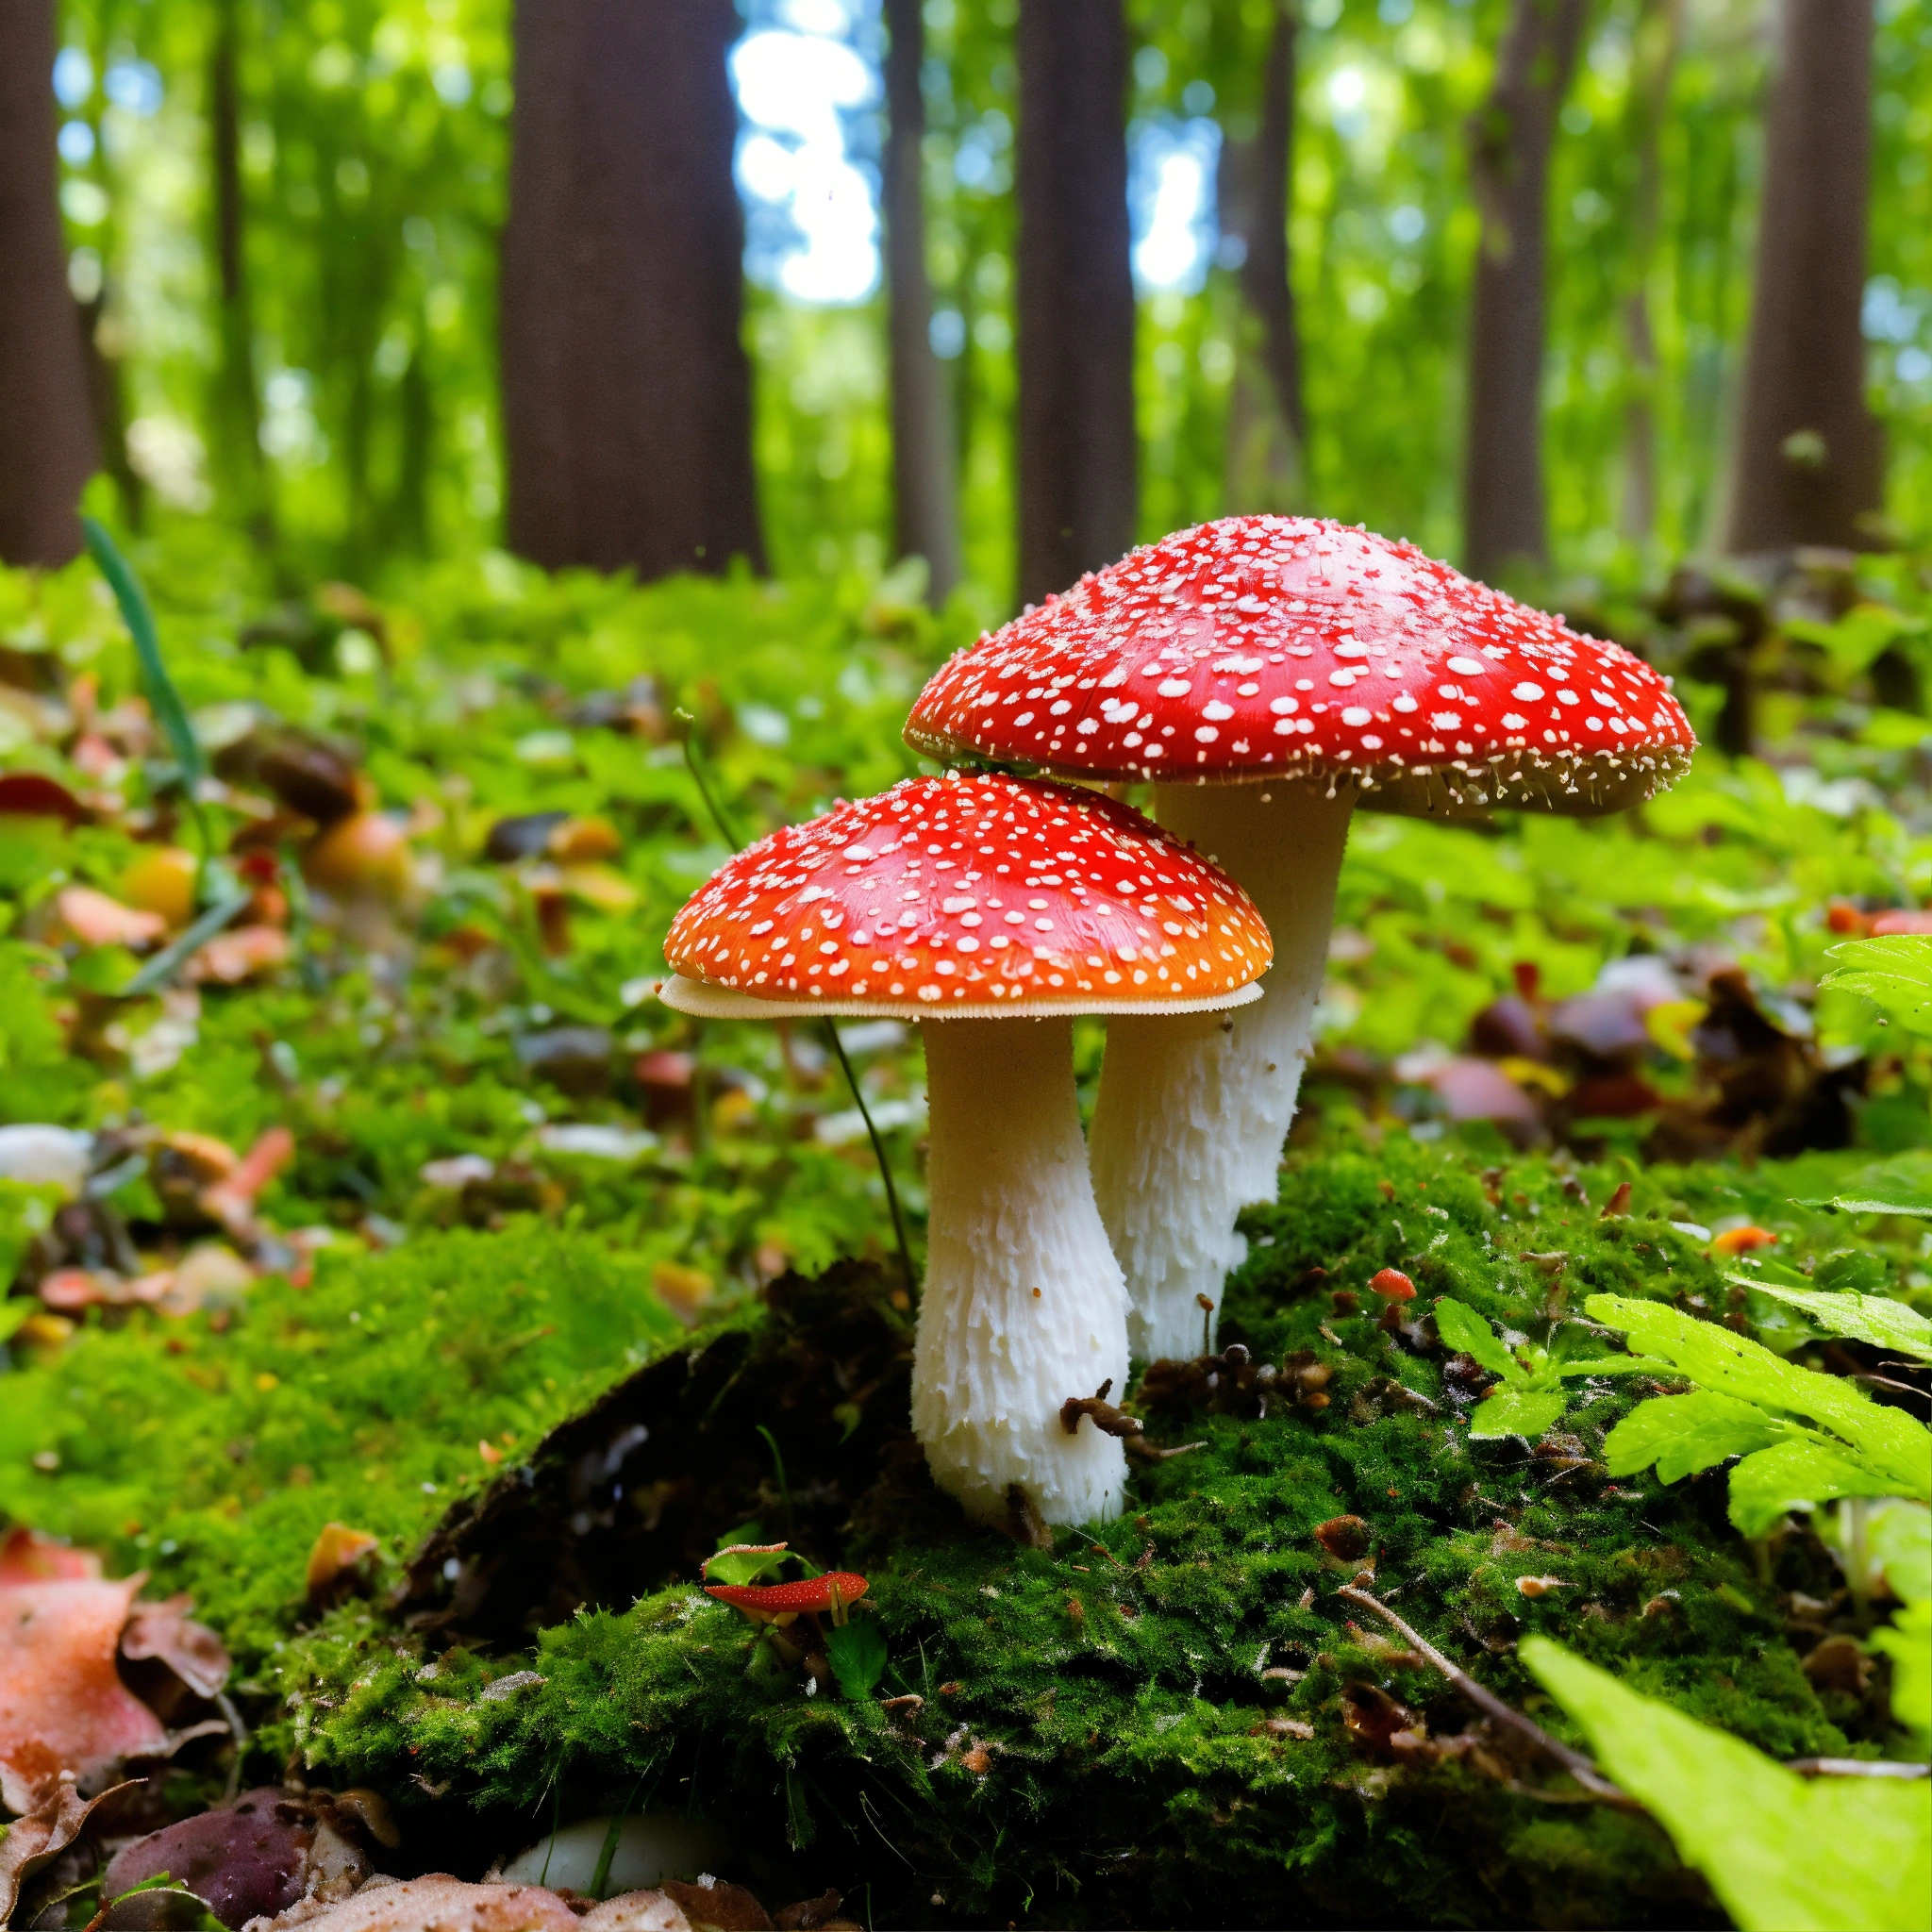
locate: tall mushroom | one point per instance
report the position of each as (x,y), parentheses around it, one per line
(971,905)
(1267,673)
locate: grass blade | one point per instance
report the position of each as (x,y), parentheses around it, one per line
(162,695)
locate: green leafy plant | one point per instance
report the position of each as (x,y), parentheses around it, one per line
(1531,1395)
(1747,1403)
(1893,972)
(1903,1185)
(1875,1318)
(858,1650)
(1783,1854)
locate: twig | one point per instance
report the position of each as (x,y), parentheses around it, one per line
(1574,1762)
(686,726)
(1855,1767)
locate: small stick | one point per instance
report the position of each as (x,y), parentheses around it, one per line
(1855,1767)
(1574,1762)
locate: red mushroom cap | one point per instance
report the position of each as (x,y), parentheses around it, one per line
(814,1593)
(970,897)
(1270,647)
(1392,1285)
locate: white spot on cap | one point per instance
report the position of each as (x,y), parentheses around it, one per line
(1281,707)
(1173,687)
(1355,714)
(1527,691)
(1402,701)
(1469,667)
(1217,709)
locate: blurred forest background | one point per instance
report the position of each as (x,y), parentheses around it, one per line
(298,240)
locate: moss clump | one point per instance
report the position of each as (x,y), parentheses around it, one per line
(212,1450)
(1172,1718)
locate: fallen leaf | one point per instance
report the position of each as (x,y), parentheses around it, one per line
(242,1860)
(438,1904)
(97,920)
(165,1632)
(62,1705)
(46,1831)
(27,1556)
(335,1562)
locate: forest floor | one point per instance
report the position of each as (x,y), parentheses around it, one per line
(395,1279)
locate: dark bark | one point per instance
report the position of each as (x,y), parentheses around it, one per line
(925,491)
(626,390)
(1266,427)
(238,401)
(1077,454)
(106,396)
(1807,465)
(1511,137)
(47,428)
(1659,34)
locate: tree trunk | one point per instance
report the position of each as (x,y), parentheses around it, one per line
(238,402)
(1806,464)
(46,429)
(626,390)
(1077,457)
(1267,429)
(1657,39)
(1511,137)
(924,494)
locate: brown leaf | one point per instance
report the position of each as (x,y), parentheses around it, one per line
(164,1631)
(49,1827)
(719,1907)
(437,1903)
(337,1563)
(63,1706)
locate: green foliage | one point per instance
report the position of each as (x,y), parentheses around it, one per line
(1900,1187)
(1836,1854)
(1875,1318)
(858,1650)
(213,1454)
(1531,1396)
(1894,974)
(1746,1402)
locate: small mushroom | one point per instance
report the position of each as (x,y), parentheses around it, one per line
(835,1592)
(969,904)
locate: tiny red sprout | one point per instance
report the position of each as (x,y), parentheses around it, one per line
(764,1602)
(1392,1284)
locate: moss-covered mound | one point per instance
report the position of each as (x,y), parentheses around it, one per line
(1172,1719)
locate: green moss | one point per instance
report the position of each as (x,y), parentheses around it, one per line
(1115,1683)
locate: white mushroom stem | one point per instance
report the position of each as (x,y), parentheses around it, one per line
(1024,1304)
(1192,1111)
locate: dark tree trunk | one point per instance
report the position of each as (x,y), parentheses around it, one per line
(1267,429)
(1511,137)
(1078,484)
(626,390)
(924,496)
(108,407)
(46,429)
(1807,465)
(1659,31)
(238,403)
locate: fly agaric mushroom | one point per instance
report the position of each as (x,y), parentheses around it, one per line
(968,905)
(1267,673)
(836,1591)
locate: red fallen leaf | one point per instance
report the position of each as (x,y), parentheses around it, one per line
(97,920)
(165,1631)
(49,1827)
(232,1197)
(1888,923)
(27,1556)
(33,794)
(230,958)
(243,1860)
(62,1705)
